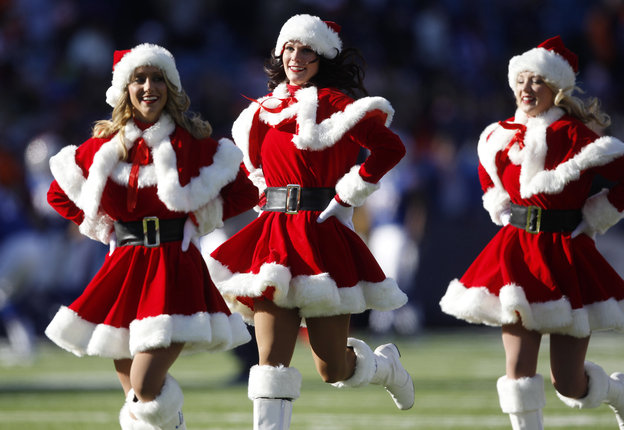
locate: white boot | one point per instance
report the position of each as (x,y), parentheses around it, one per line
(273,414)
(601,389)
(615,397)
(381,367)
(523,399)
(162,413)
(272,390)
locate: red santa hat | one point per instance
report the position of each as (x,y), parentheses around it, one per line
(146,54)
(551,60)
(322,36)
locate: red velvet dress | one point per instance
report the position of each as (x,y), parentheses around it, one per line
(312,138)
(552,282)
(148,297)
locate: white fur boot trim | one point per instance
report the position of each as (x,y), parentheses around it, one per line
(597,389)
(273,382)
(165,411)
(523,399)
(271,414)
(272,390)
(601,389)
(364,365)
(381,367)
(127,422)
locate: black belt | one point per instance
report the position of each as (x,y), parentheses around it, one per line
(534,219)
(150,231)
(293,198)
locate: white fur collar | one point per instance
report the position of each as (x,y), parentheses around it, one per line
(86,192)
(311,135)
(533,178)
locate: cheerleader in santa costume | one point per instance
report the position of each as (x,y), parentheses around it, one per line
(541,274)
(300,262)
(149,182)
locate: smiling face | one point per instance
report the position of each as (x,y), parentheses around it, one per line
(148,93)
(301,63)
(533,96)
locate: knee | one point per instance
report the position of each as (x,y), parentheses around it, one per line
(572,387)
(331,373)
(145,389)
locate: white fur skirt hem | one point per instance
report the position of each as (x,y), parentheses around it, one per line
(199,332)
(479,305)
(314,295)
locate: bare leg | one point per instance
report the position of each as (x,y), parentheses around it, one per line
(521,390)
(521,350)
(567,364)
(273,384)
(328,339)
(149,369)
(123,373)
(276,332)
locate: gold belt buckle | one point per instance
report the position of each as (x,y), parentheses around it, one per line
(293,198)
(533,219)
(146,224)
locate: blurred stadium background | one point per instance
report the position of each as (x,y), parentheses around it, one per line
(441,63)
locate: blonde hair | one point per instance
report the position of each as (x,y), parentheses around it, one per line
(588,111)
(177,106)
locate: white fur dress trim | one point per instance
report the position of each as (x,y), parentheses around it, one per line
(201,192)
(314,296)
(534,178)
(199,332)
(478,305)
(311,136)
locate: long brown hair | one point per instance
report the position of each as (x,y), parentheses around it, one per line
(344,72)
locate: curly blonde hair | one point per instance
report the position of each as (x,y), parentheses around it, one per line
(178,103)
(588,111)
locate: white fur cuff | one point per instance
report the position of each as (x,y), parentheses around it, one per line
(97,228)
(599,213)
(272,382)
(496,201)
(354,190)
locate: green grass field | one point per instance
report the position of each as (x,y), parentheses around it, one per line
(454,372)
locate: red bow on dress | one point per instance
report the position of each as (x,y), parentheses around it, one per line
(284,103)
(518,137)
(140,158)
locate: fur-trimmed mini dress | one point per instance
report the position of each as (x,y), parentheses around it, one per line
(310,137)
(143,297)
(550,281)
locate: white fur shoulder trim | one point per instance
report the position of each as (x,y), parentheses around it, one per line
(598,153)
(201,189)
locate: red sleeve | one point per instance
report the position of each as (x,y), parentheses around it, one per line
(63,205)
(386,148)
(614,172)
(238,196)
(484,178)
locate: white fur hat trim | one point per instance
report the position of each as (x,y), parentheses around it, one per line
(145,54)
(551,66)
(312,31)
